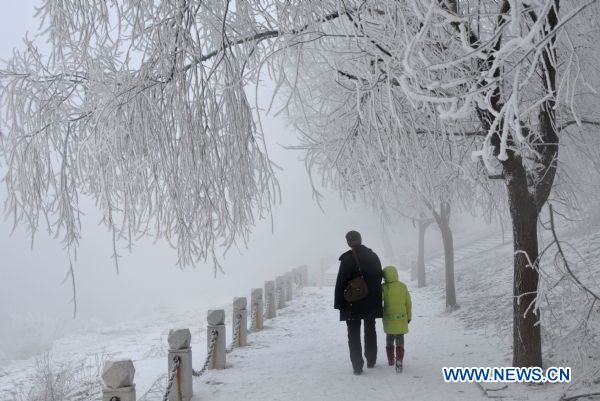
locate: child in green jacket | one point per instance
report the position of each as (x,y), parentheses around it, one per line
(397,314)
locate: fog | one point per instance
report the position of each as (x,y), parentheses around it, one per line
(36,308)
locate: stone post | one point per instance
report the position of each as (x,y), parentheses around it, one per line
(289,281)
(298,271)
(257,308)
(294,277)
(303,275)
(118,380)
(216,322)
(280,290)
(179,346)
(270,301)
(240,311)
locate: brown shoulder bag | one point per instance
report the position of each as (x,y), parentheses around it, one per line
(356,289)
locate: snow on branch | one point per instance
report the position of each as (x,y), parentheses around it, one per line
(142,106)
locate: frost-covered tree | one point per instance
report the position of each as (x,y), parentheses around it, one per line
(365,156)
(142,105)
(504,80)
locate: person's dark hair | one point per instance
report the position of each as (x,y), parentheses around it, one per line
(353,239)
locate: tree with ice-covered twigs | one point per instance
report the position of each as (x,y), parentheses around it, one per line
(142,106)
(361,150)
(138,107)
(490,80)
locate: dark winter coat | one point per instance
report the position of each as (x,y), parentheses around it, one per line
(370,307)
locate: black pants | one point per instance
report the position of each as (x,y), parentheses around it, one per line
(354,342)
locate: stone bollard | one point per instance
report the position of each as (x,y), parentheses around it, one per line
(179,347)
(298,276)
(257,308)
(240,311)
(118,381)
(303,275)
(270,301)
(216,322)
(280,290)
(289,281)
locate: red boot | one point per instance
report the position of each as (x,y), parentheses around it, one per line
(399,357)
(390,354)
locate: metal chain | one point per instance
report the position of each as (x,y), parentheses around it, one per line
(211,349)
(254,317)
(236,333)
(176,364)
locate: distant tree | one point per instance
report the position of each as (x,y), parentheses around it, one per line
(402,177)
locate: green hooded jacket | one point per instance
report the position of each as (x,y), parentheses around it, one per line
(397,308)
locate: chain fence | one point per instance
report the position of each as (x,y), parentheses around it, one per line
(236,333)
(176,364)
(158,390)
(211,350)
(162,387)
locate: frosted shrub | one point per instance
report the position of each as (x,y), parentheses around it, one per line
(78,381)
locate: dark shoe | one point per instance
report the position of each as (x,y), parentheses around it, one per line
(370,365)
(390,354)
(358,371)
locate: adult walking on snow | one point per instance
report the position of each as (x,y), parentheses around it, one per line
(360,260)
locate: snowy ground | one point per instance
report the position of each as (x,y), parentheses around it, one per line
(302,354)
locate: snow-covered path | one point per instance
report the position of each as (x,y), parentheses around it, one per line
(303,355)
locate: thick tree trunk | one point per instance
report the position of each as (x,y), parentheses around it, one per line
(421,277)
(526,199)
(527,342)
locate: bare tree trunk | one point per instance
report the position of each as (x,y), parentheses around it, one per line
(443,221)
(527,341)
(448,258)
(526,196)
(421,278)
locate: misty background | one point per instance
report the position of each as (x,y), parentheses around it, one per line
(35,307)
